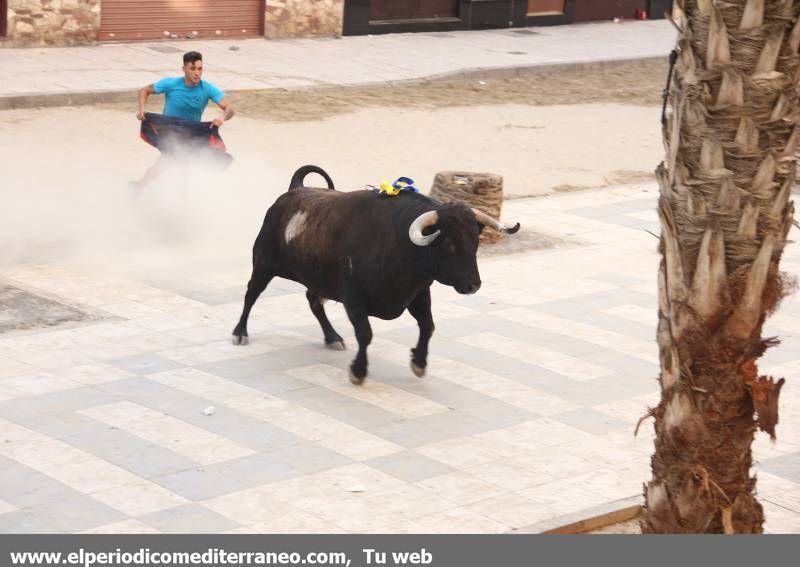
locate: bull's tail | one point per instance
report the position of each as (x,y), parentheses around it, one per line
(300,175)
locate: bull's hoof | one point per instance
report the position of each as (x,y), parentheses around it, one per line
(355,379)
(419,371)
(240,339)
(335,345)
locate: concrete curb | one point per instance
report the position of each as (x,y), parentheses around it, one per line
(42,100)
(589,519)
(12,102)
(526,70)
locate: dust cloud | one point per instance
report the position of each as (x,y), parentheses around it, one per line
(79,204)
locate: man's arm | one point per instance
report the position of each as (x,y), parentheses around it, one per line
(144,94)
(227,114)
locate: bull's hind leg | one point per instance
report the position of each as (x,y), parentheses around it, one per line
(262,275)
(420,309)
(332,338)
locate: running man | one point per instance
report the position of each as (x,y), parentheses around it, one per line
(186,98)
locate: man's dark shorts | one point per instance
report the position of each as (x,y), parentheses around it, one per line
(170,134)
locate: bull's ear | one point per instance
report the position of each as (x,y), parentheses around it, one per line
(481,226)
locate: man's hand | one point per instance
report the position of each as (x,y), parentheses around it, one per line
(144,94)
(227,112)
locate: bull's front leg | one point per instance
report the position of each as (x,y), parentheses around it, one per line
(420,309)
(358,317)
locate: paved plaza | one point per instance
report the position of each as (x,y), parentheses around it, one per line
(124,407)
(524,421)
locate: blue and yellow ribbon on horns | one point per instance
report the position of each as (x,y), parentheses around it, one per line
(393,189)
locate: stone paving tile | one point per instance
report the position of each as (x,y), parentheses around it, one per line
(513,510)
(47,403)
(413,433)
(139,498)
(591,421)
(28,522)
(506,367)
(393,400)
(256,470)
(537,356)
(334,404)
(462,488)
(785,466)
(259,436)
(534,387)
(298,522)
(779,491)
(188,519)
(409,466)
(145,363)
(74,513)
(461,520)
(497,413)
(779,520)
(251,506)
(199,483)
(310,457)
(131,453)
(23,487)
(166,431)
(284,359)
(124,527)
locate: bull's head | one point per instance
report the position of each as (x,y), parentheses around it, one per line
(453,233)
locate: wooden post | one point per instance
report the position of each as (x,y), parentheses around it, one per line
(483,191)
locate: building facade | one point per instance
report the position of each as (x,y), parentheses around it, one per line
(71,22)
(384,16)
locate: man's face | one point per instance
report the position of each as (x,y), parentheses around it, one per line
(193,72)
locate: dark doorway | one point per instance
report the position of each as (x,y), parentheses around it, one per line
(594,11)
(393,10)
(389,16)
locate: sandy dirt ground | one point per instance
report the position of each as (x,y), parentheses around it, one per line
(633,83)
(549,131)
(66,170)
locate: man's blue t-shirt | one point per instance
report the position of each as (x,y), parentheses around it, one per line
(187,102)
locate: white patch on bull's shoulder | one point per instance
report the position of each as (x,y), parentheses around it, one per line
(295,226)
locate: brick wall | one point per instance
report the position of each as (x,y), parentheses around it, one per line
(52,22)
(303,18)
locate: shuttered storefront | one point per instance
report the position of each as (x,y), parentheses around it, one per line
(124,20)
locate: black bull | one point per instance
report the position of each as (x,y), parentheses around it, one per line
(377,255)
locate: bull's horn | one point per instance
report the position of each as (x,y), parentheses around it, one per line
(420,223)
(486,220)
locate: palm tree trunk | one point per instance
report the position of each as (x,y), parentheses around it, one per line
(725,213)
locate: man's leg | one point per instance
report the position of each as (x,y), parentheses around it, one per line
(152,173)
